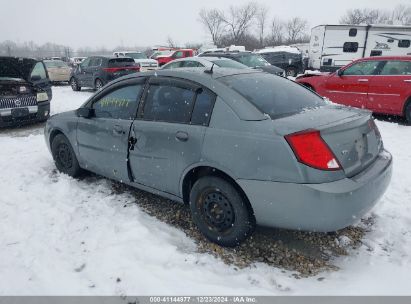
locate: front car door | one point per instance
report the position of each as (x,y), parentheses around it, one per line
(391,88)
(102,140)
(81,71)
(39,77)
(169,132)
(351,87)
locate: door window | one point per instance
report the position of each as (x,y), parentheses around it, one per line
(397,68)
(95,62)
(39,71)
(362,68)
(85,63)
(203,107)
(173,65)
(168,102)
(121,103)
(192,64)
(178,55)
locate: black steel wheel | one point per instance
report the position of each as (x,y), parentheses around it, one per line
(64,156)
(98,84)
(74,84)
(220,211)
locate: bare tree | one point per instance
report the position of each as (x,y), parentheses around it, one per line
(295,29)
(239,19)
(365,16)
(261,18)
(171,42)
(213,22)
(401,15)
(276,36)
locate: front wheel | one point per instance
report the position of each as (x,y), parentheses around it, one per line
(64,156)
(74,84)
(98,84)
(220,211)
(291,72)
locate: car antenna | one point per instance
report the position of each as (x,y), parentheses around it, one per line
(210,71)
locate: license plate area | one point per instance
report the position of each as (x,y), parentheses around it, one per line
(19,112)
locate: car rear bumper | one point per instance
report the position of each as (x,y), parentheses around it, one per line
(319,207)
(36,113)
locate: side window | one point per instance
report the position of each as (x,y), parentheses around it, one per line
(397,68)
(85,63)
(362,68)
(352,32)
(191,64)
(173,65)
(178,55)
(168,102)
(350,47)
(95,62)
(404,43)
(187,54)
(121,103)
(39,71)
(203,107)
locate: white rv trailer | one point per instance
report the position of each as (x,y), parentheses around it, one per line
(333,46)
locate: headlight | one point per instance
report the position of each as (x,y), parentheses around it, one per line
(42,97)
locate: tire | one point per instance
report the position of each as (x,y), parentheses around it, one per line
(407,113)
(291,72)
(220,211)
(64,156)
(98,84)
(74,84)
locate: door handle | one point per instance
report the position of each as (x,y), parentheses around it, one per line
(362,80)
(181,136)
(118,130)
(407,80)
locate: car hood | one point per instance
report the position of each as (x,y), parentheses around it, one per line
(145,61)
(13,67)
(164,56)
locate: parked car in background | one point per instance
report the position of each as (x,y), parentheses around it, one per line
(140,58)
(380,84)
(204,62)
(25,91)
(58,70)
(249,59)
(239,146)
(288,58)
(181,53)
(160,53)
(96,71)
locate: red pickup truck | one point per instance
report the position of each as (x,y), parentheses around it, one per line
(181,53)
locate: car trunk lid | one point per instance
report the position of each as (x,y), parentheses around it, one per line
(351,134)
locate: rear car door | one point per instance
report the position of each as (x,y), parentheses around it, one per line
(102,140)
(391,88)
(169,132)
(351,87)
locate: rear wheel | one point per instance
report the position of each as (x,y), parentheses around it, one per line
(98,84)
(74,84)
(408,113)
(64,156)
(220,212)
(291,71)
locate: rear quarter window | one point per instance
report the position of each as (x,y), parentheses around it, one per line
(273,95)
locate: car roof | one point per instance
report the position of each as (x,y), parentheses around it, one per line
(379,58)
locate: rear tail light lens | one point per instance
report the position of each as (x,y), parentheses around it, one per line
(113,70)
(311,150)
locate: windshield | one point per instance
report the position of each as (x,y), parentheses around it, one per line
(273,95)
(55,64)
(252,60)
(226,63)
(136,55)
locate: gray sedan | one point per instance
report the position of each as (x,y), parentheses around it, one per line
(241,147)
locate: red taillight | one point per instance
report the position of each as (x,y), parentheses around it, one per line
(311,150)
(113,70)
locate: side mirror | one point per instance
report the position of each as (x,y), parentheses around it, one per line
(85,112)
(35,78)
(340,72)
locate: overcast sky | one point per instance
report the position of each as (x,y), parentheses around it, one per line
(97,23)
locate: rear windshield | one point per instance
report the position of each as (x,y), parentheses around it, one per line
(273,95)
(136,55)
(226,63)
(120,62)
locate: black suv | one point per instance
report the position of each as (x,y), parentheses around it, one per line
(94,72)
(25,91)
(291,62)
(249,59)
